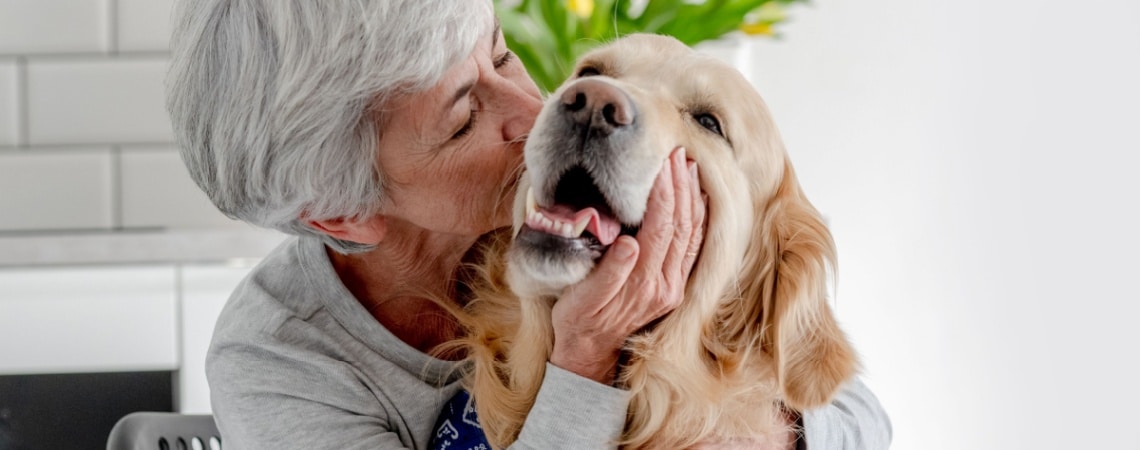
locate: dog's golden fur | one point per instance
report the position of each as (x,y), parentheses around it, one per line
(754,333)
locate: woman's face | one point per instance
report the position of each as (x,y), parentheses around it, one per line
(451,154)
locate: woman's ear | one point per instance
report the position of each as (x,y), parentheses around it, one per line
(368,231)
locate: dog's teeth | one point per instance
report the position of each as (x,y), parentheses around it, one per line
(539,221)
(531,204)
(580,226)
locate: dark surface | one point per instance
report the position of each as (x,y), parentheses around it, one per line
(75,411)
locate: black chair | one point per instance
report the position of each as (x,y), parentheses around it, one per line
(165,431)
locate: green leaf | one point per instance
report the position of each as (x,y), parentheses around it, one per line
(549,39)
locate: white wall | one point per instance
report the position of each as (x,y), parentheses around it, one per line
(977,163)
(85,142)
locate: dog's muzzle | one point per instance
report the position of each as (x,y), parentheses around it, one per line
(569,208)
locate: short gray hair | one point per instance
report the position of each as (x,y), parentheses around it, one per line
(274,102)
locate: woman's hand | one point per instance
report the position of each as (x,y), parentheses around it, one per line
(637,281)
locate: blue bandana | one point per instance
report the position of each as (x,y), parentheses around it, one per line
(458,427)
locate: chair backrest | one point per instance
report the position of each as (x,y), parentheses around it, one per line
(165,431)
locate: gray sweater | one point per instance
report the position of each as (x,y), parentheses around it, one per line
(297,363)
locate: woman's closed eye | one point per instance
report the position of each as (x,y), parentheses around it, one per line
(503,59)
(467,127)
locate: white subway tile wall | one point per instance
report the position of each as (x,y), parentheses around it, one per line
(8,103)
(56,26)
(156,192)
(83,125)
(105,100)
(144,25)
(56,189)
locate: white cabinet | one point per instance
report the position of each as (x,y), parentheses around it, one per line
(121,302)
(116,319)
(67,320)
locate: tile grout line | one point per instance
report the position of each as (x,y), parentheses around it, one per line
(113,27)
(64,147)
(116,188)
(22,107)
(91,56)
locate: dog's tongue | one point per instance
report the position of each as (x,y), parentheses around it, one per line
(602,226)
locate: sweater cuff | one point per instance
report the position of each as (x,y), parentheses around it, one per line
(853,421)
(574,412)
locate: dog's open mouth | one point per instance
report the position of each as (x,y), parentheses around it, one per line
(579,218)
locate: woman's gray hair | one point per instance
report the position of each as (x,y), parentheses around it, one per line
(274,102)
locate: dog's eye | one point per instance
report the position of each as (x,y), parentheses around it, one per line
(709,122)
(588,72)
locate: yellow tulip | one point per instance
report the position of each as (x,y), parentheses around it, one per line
(757,29)
(759,21)
(581,8)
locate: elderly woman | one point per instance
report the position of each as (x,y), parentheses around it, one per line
(387,136)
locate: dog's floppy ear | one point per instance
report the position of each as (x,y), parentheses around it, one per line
(785,280)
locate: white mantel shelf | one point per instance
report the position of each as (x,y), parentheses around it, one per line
(137,247)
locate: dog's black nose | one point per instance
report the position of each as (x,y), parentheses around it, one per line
(598,105)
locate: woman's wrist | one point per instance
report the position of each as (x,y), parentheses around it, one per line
(582,359)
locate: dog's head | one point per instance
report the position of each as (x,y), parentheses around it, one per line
(601,140)
(591,160)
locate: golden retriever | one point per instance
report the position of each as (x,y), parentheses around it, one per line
(754,333)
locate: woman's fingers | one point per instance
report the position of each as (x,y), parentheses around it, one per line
(588,330)
(657,229)
(683,185)
(603,284)
(698,200)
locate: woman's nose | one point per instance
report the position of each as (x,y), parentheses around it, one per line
(520,116)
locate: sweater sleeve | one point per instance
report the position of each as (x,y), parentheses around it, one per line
(573,412)
(853,421)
